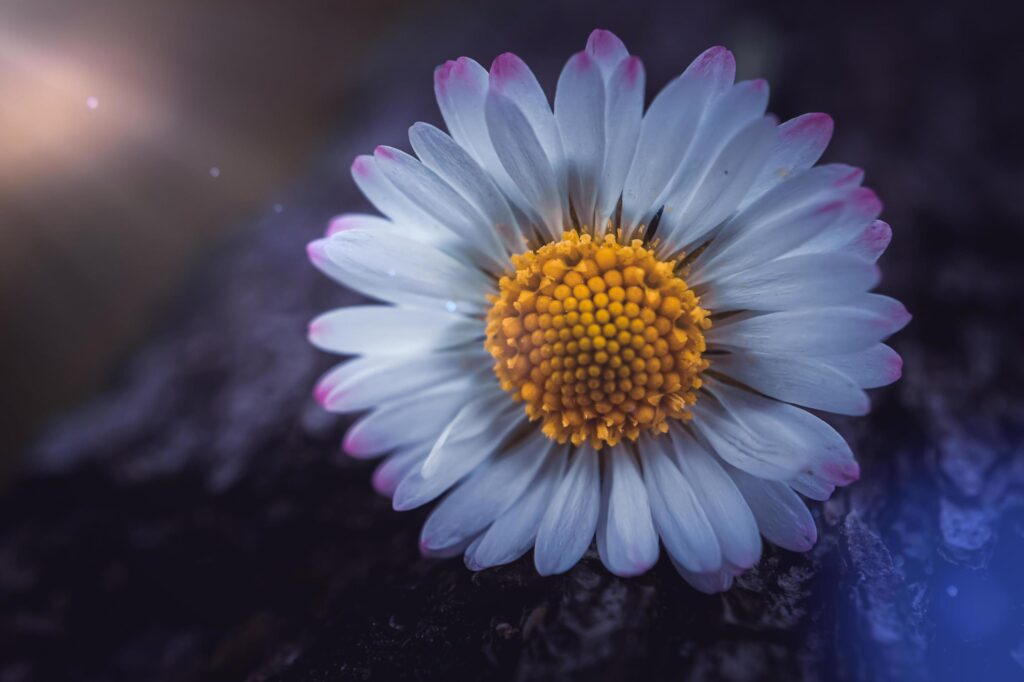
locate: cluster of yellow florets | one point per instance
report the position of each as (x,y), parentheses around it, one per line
(600,340)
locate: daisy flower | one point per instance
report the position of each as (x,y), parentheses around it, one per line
(604,321)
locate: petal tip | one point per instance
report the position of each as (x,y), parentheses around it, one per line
(315,252)
(384,152)
(505,67)
(603,43)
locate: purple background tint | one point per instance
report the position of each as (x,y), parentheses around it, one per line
(194,520)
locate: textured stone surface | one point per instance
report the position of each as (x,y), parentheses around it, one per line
(196,521)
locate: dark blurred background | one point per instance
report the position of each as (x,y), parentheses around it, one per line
(174,506)
(133,137)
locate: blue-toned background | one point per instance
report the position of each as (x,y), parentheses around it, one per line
(174,504)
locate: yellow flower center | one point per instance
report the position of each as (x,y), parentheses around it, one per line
(599,339)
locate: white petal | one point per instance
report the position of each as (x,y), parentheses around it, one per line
(485,419)
(678,516)
(460,170)
(668,129)
(460,448)
(523,157)
(727,511)
(795,281)
(757,448)
(579,111)
(783,219)
(605,48)
(710,194)
(804,381)
(391,202)
(414,418)
(394,468)
(812,486)
(387,330)
(624,107)
(512,78)
(801,142)
(513,533)
(894,313)
(872,242)
(872,367)
(486,494)
(358,221)
(787,432)
(371,380)
(811,331)
(626,539)
(861,207)
(782,517)
(444,205)
(568,525)
(384,265)
(461,87)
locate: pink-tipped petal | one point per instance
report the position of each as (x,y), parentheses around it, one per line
(873,242)
(716,64)
(606,49)
(895,367)
(508,70)
(315,252)
(851,178)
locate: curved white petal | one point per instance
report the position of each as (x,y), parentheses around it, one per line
(727,511)
(782,220)
(624,107)
(394,468)
(462,447)
(786,433)
(678,516)
(486,493)
(513,79)
(446,207)
(667,130)
(812,486)
(524,159)
(384,265)
(478,426)
(606,49)
(392,202)
(570,521)
(796,281)
(389,330)
(757,448)
(358,221)
(853,326)
(459,169)
(461,87)
(513,533)
(872,242)
(626,539)
(715,187)
(803,381)
(580,111)
(370,380)
(782,517)
(409,420)
(801,142)
(872,367)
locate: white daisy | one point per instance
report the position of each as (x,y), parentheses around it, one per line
(604,321)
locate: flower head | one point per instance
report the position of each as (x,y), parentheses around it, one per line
(604,321)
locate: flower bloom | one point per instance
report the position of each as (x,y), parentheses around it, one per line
(605,321)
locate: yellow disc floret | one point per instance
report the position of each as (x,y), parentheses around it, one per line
(600,340)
